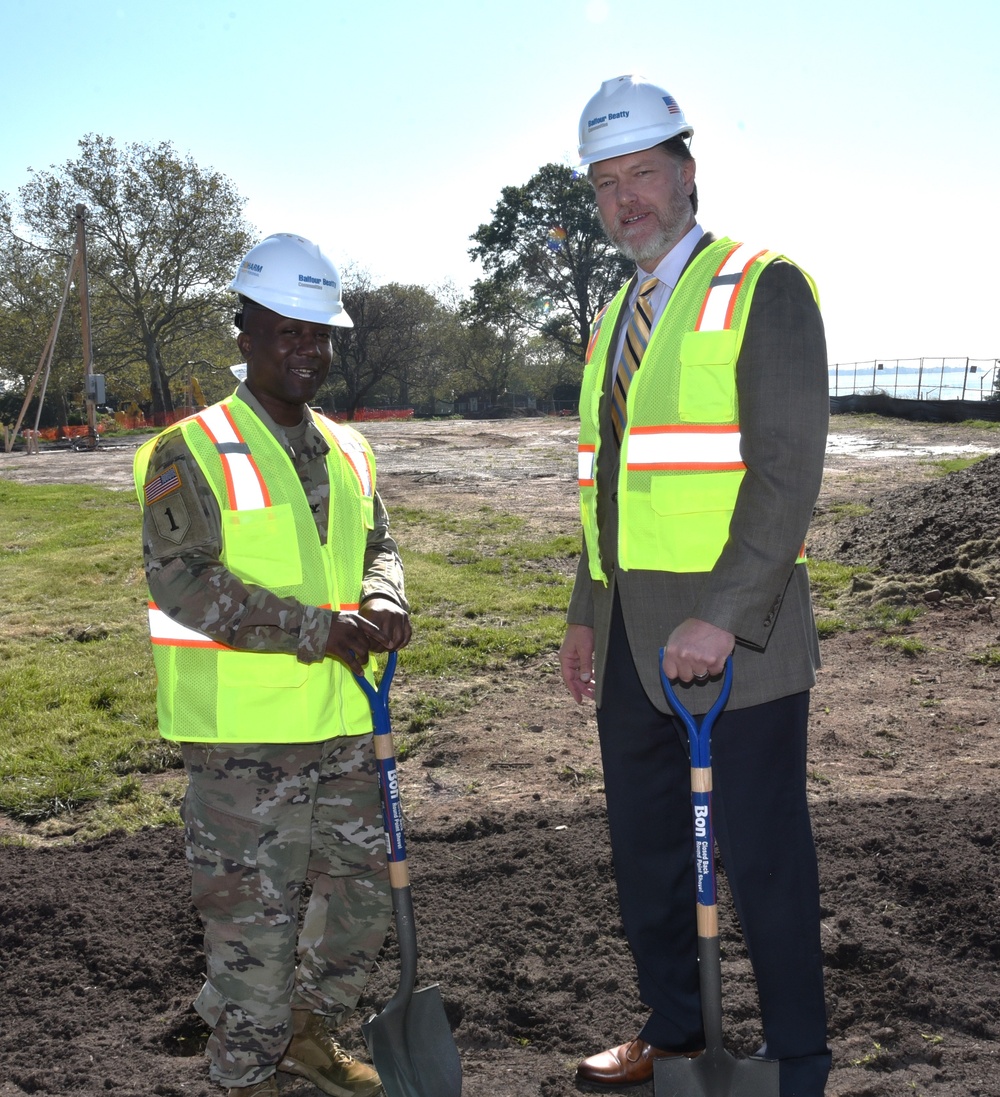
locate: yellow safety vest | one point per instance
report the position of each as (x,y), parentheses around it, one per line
(207,691)
(680,466)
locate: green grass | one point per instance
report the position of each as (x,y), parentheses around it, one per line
(982,424)
(988,658)
(486,593)
(828,626)
(832,583)
(830,580)
(890,617)
(905,645)
(77,713)
(77,687)
(78,737)
(849,510)
(954,464)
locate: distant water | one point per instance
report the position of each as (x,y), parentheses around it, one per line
(932,382)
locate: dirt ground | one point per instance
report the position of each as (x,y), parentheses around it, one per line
(515,905)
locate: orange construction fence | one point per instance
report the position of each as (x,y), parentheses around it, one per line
(55,434)
(370,415)
(158,422)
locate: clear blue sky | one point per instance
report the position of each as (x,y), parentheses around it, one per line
(861,137)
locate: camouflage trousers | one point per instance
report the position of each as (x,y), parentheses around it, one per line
(261,822)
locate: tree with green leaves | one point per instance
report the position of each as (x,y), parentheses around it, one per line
(547,261)
(494,359)
(164,237)
(400,338)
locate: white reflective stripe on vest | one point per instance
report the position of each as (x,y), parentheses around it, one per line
(165,630)
(352,449)
(720,300)
(701,448)
(247,490)
(585,465)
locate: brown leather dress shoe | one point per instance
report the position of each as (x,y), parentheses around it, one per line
(628,1064)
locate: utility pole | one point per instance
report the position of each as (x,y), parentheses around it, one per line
(44,363)
(94,392)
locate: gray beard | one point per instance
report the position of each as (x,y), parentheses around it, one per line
(651,251)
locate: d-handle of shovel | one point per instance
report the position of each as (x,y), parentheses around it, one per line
(385,756)
(700,739)
(699,732)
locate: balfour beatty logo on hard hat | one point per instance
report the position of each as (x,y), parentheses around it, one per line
(604,119)
(251,268)
(307,281)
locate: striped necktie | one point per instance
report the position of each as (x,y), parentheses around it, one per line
(633,349)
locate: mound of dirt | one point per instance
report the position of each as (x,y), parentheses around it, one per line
(947,523)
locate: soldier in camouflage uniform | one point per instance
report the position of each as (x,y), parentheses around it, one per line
(276,804)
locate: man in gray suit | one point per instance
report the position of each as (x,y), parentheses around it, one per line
(704,410)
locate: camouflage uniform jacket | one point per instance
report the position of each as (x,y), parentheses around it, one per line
(182,552)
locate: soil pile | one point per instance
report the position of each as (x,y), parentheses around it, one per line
(952,522)
(518,921)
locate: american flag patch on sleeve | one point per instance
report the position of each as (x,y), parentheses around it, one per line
(169,480)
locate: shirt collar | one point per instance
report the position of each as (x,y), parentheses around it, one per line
(313,435)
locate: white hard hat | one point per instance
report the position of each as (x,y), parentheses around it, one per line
(628,114)
(291,276)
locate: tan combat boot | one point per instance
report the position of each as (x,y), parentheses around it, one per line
(316,1055)
(267,1088)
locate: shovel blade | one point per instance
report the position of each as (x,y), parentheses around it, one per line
(715,1073)
(413,1049)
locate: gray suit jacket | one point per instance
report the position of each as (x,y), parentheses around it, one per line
(756,591)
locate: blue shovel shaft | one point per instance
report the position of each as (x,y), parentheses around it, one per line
(410,1041)
(714,1073)
(388,779)
(700,740)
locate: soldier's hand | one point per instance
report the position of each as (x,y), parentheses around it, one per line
(351,638)
(392,621)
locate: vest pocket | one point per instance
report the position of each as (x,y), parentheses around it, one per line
(695,510)
(262,546)
(708,377)
(262,697)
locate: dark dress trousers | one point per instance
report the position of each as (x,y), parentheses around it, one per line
(757,592)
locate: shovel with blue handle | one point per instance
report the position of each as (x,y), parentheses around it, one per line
(714,1073)
(410,1041)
